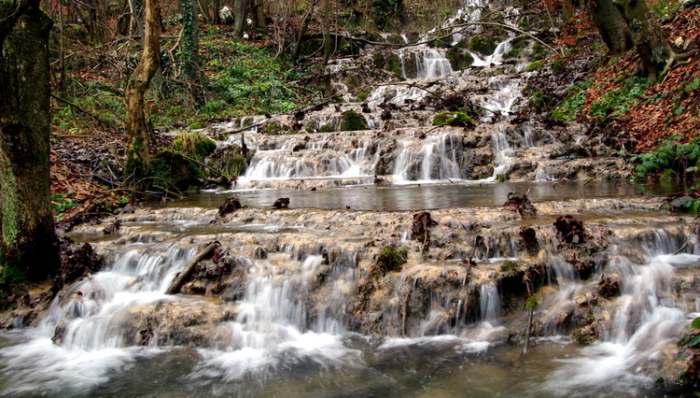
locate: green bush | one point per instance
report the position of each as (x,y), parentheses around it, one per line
(671,158)
(618,102)
(572,105)
(458,119)
(194,145)
(392,258)
(353,121)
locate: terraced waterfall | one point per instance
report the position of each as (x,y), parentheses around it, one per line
(305,302)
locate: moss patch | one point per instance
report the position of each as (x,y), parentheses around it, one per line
(193,144)
(353,121)
(391,259)
(458,119)
(483,45)
(394,66)
(459,58)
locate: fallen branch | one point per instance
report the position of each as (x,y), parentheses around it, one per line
(189,269)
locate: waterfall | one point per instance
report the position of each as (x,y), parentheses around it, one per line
(430,63)
(434,159)
(645,320)
(489,301)
(91,317)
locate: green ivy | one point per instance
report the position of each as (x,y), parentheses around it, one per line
(618,102)
(671,157)
(571,107)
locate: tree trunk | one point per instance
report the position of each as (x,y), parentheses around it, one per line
(611,25)
(27,238)
(216,6)
(138,156)
(260,20)
(241,8)
(648,38)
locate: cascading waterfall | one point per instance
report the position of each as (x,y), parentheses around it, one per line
(88,324)
(434,159)
(646,318)
(489,301)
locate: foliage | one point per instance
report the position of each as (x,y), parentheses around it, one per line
(572,105)
(230,161)
(459,119)
(392,258)
(671,157)
(61,204)
(618,102)
(502,178)
(353,121)
(170,170)
(459,58)
(255,82)
(394,66)
(665,9)
(695,324)
(194,145)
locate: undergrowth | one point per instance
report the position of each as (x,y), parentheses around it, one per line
(572,105)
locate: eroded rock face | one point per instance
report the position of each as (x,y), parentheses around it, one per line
(184,322)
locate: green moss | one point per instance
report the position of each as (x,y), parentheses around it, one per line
(194,144)
(378,60)
(394,66)
(509,266)
(391,259)
(532,303)
(273,128)
(326,128)
(483,45)
(516,48)
(558,66)
(572,105)
(459,119)
(535,66)
(230,162)
(362,95)
(502,178)
(171,170)
(353,121)
(61,204)
(459,58)
(9,205)
(618,102)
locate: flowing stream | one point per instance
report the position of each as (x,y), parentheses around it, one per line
(295,311)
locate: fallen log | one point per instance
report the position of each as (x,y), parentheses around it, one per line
(183,276)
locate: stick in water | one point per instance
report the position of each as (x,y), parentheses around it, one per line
(189,269)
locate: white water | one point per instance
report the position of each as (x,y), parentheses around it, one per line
(94,342)
(646,320)
(430,63)
(433,159)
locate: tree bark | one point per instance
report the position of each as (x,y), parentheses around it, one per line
(189,51)
(241,9)
(216,6)
(27,237)
(611,25)
(139,156)
(648,38)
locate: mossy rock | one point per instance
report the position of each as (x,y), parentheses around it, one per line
(193,144)
(378,60)
(229,161)
(391,259)
(458,119)
(394,66)
(273,128)
(535,66)
(517,46)
(172,170)
(509,266)
(483,45)
(353,121)
(459,58)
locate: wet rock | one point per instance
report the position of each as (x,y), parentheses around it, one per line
(260,253)
(229,206)
(77,261)
(112,228)
(609,286)
(585,335)
(570,230)
(520,205)
(281,203)
(528,239)
(420,229)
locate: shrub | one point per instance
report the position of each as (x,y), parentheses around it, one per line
(459,119)
(671,158)
(392,258)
